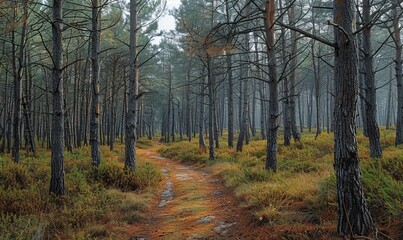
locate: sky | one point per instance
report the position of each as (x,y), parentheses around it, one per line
(167,22)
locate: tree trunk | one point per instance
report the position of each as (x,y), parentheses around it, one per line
(67,128)
(210,86)
(293,65)
(18,70)
(94,122)
(113,107)
(328,104)
(389,109)
(244,128)
(6,113)
(202,144)
(216,123)
(188,111)
(261,89)
(173,119)
(245,113)
(396,11)
(76,102)
(57,162)
(271,151)
(131,117)
(362,99)
(27,106)
(301,114)
(316,71)
(309,103)
(230,102)
(354,217)
(286,101)
(370,88)
(168,126)
(253,118)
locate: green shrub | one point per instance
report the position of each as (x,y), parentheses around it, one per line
(76,182)
(15,176)
(134,204)
(147,175)
(384,193)
(256,175)
(392,166)
(323,204)
(112,175)
(115,176)
(14,227)
(265,194)
(20,201)
(144,143)
(133,217)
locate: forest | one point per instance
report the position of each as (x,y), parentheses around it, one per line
(251,119)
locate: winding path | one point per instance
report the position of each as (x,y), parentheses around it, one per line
(192,205)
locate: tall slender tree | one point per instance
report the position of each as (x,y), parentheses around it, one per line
(94,122)
(293,65)
(57,161)
(18,71)
(272,135)
(396,13)
(131,117)
(370,88)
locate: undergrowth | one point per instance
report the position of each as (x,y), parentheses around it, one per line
(303,190)
(28,211)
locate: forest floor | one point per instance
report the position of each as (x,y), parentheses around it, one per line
(192,204)
(177,193)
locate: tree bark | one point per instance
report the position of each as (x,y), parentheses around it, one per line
(396,12)
(202,143)
(131,117)
(286,101)
(316,71)
(389,109)
(18,70)
(244,128)
(253,112)
(261,90)
(245,113)
(230,102)
(188,111)
(370,88)
(271,151)
(94,122)
(354,217)
(6,113)
(113,107)
(362,99)
(210,86)
(57,161)
(293,65)
(168,126)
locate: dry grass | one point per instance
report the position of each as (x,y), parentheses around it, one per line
(304,184)
(94,199)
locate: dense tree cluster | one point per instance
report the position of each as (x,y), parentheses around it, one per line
(74,73)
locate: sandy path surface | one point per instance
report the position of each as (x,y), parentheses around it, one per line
(192,204)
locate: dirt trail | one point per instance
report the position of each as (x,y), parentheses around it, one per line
(192,205)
